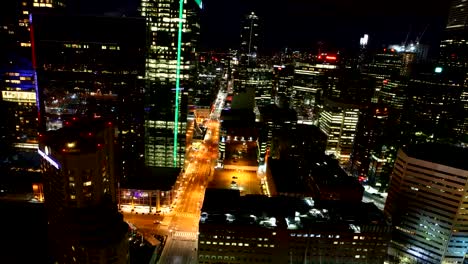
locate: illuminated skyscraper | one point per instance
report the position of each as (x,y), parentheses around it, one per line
(162,19)
(80,188)
(427,204)
(339,123)
(311,80)
(19,96)
(454,53)
(433,109)
(453,47)
(92,69)
(458,15)
(17,80)
(249,40)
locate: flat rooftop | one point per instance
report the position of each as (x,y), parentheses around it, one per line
(292,213)
(445,154)
(286,176)
(153,178)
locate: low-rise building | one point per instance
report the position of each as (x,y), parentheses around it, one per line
(247,229)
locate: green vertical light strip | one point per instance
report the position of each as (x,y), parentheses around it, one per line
(179,49)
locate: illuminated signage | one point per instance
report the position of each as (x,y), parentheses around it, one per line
(49,159)
(19,96)
(438,70)
(330,57)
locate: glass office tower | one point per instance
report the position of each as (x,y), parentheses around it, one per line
(162,19)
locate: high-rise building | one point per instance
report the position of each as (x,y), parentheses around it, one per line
(310,82)
(454,56)
(162,20)
(369,141)
(339,123)
(453,45)
(392,65)
(249,40)
(261,78)
(211,70)
(91,69)
(16,72)
(433,109)
(283,77)
(274,119)
(19,97)
(80,188)
(427,203)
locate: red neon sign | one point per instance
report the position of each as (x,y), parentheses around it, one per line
(330,57)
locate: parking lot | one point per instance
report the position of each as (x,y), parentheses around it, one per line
(246,181)
(241,153)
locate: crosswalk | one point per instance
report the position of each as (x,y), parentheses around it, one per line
(184,214)
(187,235)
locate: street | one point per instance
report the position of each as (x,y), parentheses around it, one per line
(181,224)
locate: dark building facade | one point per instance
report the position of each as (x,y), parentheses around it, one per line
(91,69)
(80,187)
(433,109)
(259,229)
(370,144)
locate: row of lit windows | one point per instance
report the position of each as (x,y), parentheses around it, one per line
(234,244)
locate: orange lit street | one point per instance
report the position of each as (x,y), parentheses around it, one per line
(181,224)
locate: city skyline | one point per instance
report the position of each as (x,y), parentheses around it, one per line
(176,131)
(302,24)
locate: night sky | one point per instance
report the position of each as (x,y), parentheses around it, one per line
(303,23)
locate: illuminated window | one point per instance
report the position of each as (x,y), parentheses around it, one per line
(88,183)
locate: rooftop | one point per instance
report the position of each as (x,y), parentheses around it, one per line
(445,154)
(77,136)
(228,207)
(153,178)
(286,176)
(273,113)
(245,115)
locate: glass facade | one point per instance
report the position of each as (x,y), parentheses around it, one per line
(162,18)
(96,77)
(339,123)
